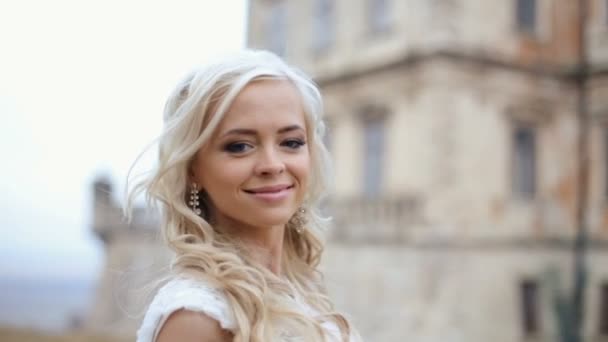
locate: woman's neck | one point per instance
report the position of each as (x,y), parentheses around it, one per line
(264,245)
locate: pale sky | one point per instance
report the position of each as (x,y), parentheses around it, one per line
(82,86)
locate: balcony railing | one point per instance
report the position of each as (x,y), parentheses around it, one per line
(366,220)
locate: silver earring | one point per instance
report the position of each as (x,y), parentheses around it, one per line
(298,220)
(194,199)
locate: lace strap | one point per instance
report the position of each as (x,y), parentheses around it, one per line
(188,294)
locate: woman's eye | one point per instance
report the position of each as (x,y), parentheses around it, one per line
(294,143)
(238,147)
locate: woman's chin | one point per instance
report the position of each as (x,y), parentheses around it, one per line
(271,218)
(270,221)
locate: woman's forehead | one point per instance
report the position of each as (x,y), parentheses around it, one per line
(266,94)
(267,103)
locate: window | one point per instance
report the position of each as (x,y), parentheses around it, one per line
(374,155)
(526,16)
(328,139)
(323,25)
(379,20)
(524,162)
(604,309)
(276,29)
(606,12)
(530,312)
(606,161)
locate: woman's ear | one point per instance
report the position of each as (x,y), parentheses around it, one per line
(192,176)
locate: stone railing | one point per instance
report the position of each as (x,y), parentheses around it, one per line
(381,220)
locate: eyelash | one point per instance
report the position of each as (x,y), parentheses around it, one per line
(230,147)
(290,143)
(240,147)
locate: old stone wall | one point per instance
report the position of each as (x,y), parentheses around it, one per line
(453,293)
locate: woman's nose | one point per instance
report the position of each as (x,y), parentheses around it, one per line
(269,162)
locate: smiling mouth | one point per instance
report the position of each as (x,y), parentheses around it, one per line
(269,190)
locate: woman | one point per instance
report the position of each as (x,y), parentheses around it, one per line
(241,170)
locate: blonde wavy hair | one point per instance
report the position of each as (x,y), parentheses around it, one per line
(262,302)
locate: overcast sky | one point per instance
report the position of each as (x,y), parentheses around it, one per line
(82,86)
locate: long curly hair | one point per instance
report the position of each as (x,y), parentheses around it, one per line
(264,305)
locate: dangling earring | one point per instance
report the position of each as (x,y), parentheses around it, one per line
(194,199)
(298,220)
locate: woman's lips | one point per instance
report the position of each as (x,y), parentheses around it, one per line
(270,193)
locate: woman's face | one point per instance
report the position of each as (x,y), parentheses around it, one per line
(255,168)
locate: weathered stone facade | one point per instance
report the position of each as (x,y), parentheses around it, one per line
(440,253)
(437,242)
(135,261)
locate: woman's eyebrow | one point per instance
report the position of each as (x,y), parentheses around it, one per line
(240,131)
(290,128)
(246,131)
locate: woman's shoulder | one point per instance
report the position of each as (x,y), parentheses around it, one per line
(184,293)
(191,326)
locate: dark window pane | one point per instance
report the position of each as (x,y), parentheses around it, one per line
(530,307)
(606,160)
(379,15)
(277,28)
(606,11)
(373,162)
(328,138)
(604,309)
(323,25)
(524,162)
(526,15)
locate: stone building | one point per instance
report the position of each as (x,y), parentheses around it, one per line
(135,259)
(455,134)
(454,130)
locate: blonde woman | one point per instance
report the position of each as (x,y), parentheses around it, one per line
(240,174)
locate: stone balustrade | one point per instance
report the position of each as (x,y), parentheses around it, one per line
(378,220)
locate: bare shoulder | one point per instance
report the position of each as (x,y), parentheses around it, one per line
(186,326)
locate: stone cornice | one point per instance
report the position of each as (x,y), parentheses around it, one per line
(412,60)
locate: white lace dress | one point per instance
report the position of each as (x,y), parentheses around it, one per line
(194,295)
